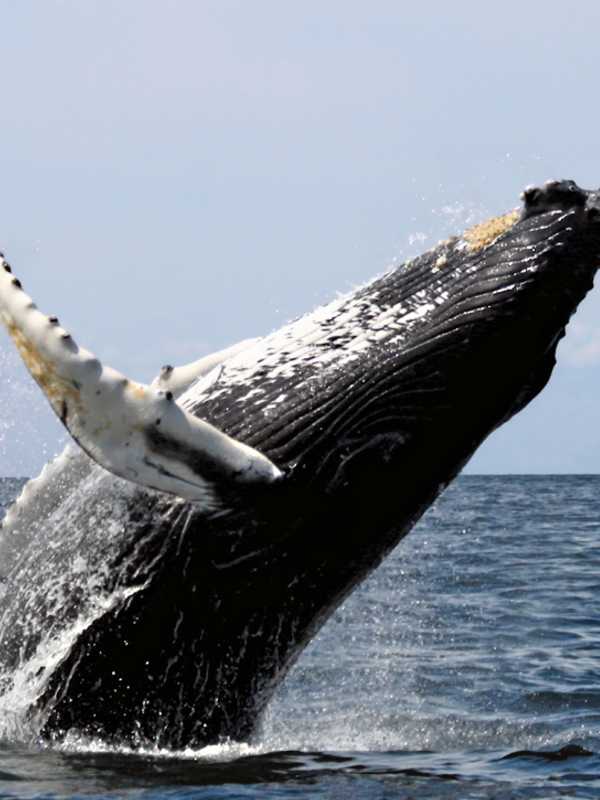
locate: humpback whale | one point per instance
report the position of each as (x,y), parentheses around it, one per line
(158,580)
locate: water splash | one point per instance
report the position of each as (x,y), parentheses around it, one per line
(29,433)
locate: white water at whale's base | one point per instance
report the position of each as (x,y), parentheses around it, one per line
(476,640)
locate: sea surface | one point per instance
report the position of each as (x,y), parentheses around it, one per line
(467,666)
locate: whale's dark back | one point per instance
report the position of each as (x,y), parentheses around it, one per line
(371,406)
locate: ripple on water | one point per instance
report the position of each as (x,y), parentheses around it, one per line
(469,654)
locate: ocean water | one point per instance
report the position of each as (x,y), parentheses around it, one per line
(467,666)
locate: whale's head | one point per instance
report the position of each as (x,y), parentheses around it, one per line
(382,396)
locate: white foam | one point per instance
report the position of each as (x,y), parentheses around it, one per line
(226,751)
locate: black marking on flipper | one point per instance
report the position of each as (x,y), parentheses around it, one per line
(168,474)
(207,468)
(17,283)
(64,411)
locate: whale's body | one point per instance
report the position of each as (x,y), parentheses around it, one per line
(127,613)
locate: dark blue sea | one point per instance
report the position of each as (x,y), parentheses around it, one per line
(467,666)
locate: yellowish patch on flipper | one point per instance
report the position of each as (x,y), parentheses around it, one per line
(57,389)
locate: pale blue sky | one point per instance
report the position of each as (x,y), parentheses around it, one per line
(175,176)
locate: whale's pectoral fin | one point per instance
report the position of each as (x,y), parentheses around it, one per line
(177,379)
(135,431)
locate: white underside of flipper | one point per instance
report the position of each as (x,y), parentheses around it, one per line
(133,430)
(177,380)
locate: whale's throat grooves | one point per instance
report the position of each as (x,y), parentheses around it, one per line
(430,326)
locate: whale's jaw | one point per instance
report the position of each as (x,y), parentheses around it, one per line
(369,407)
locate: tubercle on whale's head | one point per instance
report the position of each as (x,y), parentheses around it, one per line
(565,197)
(554,195)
